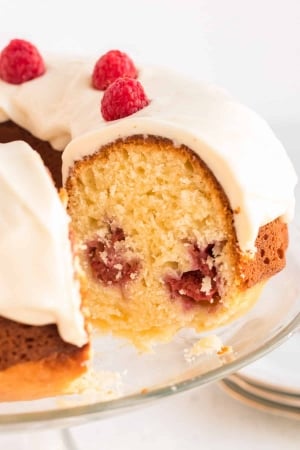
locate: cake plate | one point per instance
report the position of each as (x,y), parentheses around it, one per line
(123,379)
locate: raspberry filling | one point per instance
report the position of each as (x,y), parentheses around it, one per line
(200,285)
(111,261)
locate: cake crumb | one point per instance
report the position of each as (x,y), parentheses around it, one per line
(208,345)
(225,350)
(206,285)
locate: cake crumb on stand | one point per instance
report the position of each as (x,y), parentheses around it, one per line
(208,345)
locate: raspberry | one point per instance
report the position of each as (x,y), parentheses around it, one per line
(114,64)
(20,61)
(111,261)
(199,285)
(122,98)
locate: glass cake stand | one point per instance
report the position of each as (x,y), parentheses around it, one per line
(124,379)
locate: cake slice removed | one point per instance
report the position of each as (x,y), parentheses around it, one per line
(43,334)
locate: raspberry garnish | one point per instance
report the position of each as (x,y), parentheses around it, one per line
(20,61)
(122,98)
(111,66)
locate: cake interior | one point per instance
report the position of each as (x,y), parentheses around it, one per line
(156,239)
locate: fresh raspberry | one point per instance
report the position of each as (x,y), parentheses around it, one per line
(122,98)
(20,61)
(114,64)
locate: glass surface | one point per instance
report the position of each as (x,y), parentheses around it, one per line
(126,379)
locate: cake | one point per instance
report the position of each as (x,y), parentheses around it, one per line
(177,213)
(44,341)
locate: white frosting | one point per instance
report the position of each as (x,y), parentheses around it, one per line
(238,145)
(37,285)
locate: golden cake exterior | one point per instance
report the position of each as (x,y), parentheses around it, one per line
(36,362)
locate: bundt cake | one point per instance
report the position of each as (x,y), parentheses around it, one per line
(172,189)
(43,338)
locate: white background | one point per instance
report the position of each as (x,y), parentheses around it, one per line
(250,47)
(253,49)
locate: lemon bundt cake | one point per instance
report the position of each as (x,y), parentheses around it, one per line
(44,342)
(178,213)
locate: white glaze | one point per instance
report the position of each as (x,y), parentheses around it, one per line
(238,145)
(37,285)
